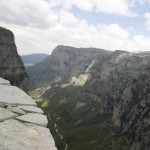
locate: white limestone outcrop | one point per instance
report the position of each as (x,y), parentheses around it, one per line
(4,82)
(16,135)
(19,129)
(35,118)
(31,109)
(16,110)
(11,95)
(6,114)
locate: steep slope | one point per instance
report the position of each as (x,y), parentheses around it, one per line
(95,98)
(11,66)
(32,59)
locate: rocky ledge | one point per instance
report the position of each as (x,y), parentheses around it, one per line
(22,124)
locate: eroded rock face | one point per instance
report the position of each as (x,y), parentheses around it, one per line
(11,66)
(20,130)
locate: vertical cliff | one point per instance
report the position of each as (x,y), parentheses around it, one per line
(11,66)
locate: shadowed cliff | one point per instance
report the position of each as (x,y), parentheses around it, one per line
(11,66)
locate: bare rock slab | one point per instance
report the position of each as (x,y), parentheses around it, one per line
(15,135)
(31,109)
(6,114)
(12,95)
(4,82)
(16,110)
(34,118)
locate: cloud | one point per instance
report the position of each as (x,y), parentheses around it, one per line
(118,7)
(73,31)
(142,1)
(147,17)
(42,14)
(27,13)
(85,5)
(38,27)
(142,42)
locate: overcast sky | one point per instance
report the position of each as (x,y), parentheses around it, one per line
(40,25)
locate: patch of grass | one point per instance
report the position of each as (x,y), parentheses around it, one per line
(45,104)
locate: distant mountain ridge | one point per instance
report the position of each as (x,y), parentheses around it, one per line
(64,62)
(32,59)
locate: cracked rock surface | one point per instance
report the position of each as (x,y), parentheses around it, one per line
(19,129)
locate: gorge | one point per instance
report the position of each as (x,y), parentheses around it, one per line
(94,99)
(98,99)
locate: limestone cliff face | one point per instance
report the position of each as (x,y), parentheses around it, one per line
(11,66)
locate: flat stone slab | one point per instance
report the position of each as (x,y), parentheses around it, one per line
(12,95)
(31,109)
(34,118)
(16,110)
(4,82)
(15,135)
(6,114)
